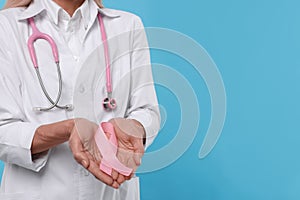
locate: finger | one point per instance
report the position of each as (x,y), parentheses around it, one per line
(126,157)
(121,179)
(100,175)
(78,151)
(114,174)
(137,159)
(129,177)
(138,150)
(115,185)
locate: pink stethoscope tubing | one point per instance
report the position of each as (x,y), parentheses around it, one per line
(108,103)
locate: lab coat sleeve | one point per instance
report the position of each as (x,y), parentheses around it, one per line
(143,105)
(16,132)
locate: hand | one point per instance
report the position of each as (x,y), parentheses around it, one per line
(86,130)
(86,153)
(130,134)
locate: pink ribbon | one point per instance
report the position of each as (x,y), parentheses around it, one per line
(108,149)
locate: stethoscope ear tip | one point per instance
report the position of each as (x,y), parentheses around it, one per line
(36,109)
(70,107)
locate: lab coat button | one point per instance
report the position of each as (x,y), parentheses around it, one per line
(76,58)
(81,89)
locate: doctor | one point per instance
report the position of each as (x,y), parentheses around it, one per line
(48,144)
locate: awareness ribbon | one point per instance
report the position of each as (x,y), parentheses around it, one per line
(108,149)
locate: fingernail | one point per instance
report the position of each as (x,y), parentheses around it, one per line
(84,163)
(115,185)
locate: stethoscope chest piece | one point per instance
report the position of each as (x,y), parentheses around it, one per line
(109,104)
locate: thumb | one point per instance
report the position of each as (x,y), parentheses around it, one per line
(84,162)
(78,151)
(138,150)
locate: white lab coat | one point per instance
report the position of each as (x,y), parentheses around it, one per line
(55,174)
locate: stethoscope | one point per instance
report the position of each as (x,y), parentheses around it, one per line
(108,103)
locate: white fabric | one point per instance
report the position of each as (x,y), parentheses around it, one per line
(56,175)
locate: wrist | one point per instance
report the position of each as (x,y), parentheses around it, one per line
(140,128)
(69,125)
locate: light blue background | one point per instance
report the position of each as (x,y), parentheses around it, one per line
(256,45)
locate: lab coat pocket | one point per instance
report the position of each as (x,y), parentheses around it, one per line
(20,196)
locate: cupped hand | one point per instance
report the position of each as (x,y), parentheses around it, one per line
(86,152)
(130,134)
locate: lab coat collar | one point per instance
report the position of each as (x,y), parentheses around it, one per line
(55,10)
(32,10)
(108,12)
(36,7)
